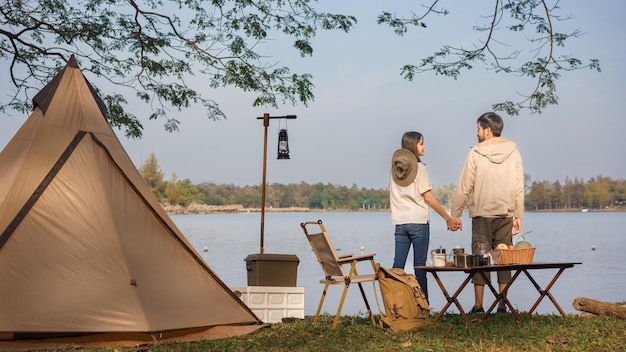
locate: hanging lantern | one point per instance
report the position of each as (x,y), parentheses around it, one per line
(283,144)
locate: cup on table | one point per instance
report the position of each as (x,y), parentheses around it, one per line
(437,257)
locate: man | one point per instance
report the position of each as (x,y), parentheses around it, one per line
(492,180)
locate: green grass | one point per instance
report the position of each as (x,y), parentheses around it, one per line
(500,332)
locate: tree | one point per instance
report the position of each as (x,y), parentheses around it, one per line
(172,193)
(576,191)
(153,176)
(539,196)
(598,190)
(557,196)
(188,193)
(535,19)
(153,48)
(211,193)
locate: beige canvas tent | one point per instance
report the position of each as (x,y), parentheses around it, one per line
(84,245)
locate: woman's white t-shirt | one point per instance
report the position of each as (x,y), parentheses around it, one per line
(406,203)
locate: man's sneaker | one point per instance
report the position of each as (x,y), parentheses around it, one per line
(501,310)
(477,310)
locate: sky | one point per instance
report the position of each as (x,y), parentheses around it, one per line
(362,106)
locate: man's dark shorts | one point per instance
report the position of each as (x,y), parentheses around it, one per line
(491,231)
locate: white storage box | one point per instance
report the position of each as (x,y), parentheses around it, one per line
(271,303)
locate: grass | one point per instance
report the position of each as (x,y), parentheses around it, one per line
(500,332)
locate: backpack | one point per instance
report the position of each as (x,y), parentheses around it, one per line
(404,301)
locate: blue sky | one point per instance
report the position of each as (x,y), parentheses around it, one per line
(363,106)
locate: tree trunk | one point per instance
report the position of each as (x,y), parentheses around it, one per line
(600,308)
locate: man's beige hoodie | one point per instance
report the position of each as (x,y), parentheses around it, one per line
(492,181)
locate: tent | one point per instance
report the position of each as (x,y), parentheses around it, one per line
(85,248)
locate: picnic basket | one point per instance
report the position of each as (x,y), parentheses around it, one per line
(517,256)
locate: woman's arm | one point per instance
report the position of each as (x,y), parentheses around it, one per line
(452,223)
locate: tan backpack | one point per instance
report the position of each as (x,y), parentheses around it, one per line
(405,304)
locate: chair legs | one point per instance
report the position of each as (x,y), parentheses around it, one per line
(319,306)
(367,305)
(343,298)
(341,302)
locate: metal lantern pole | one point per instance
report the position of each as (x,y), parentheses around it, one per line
(266,122)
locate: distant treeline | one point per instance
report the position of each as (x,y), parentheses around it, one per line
(596,193)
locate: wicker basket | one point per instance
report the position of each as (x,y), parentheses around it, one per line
(517,256)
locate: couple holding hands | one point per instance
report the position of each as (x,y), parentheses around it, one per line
(492,181)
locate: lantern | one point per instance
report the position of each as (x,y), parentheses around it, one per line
(283,144)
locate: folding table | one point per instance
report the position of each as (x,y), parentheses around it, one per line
(500,297)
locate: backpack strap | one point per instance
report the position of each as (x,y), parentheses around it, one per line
(378,268)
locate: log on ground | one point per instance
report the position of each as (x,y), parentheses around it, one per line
(599,308)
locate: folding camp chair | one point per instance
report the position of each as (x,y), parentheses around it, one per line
(334,272)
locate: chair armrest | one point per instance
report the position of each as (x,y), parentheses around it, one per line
(357,258)
(346,255)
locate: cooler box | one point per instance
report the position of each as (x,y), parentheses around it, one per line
(273,304)
(272,269)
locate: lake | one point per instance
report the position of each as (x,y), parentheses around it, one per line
(594,238)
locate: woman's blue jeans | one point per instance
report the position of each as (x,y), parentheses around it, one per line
(417,235)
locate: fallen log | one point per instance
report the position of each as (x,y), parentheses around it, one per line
(599,308)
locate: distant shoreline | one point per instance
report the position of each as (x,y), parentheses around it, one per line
(195,208)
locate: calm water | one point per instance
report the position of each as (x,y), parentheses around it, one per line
(564,237)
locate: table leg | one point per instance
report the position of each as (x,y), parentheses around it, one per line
(501,296)
(493,290)
(546,292)
(452,299)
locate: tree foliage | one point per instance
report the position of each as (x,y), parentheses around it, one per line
(536,20)
(301,195)
(153,48)
(153,176)
(598,193)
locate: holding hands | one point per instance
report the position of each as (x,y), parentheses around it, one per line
(454,224)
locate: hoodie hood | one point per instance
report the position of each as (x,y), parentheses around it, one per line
(496,149)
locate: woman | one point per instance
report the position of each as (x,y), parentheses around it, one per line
(411,199)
